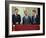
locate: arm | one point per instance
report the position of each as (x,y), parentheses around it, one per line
(37,19)
(23,20)
(13,19)
(30,19)
(19,19)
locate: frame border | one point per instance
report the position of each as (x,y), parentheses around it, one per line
(7,18)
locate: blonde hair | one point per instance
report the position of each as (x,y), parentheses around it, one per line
(25,10)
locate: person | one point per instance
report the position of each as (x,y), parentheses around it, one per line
(35,17)
(26,18)
(16,18)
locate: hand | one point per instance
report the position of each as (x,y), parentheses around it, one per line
(16,22)
(13,25)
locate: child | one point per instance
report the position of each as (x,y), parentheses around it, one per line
(26,18)
(16,18)
(35,18)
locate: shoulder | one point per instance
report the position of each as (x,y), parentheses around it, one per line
(18,15)
(13,15)
(32,17)
(29,16)
(23,17)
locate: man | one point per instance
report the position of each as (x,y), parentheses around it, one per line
(26,18)
(35,18)
(16,18)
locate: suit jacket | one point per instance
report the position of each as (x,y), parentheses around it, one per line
(26,20)
(16,19)
(36,20)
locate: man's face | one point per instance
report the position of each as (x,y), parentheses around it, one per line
(16,11)
(33,13)
(26,13)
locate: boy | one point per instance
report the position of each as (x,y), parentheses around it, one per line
(16,18)
(26,18)
(35,18)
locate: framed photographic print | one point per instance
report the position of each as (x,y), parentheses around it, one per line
(24,18)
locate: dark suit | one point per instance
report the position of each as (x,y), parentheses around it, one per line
(35,20)
(16,19)
(27,21)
